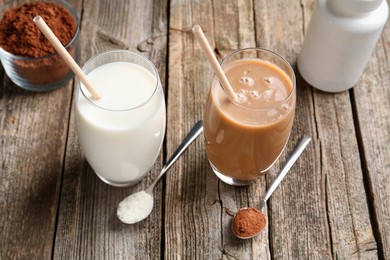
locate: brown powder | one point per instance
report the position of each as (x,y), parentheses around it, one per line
(248,222)
(20,36)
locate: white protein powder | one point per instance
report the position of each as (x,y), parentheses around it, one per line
(135,207)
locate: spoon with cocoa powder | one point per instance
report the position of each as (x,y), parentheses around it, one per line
(249,222)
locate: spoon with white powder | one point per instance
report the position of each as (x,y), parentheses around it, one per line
(138,206)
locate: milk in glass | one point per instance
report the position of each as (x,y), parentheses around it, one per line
(121,134)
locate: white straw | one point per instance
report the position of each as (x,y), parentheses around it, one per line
(197,30)
(66,56)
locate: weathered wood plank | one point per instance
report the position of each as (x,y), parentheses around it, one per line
(272,33)
(348,211)
(192,224)
(209,235)
(321,211)
(372,97)
(348,214)
(32,150)
(297,214)
(33,131)
(87,226)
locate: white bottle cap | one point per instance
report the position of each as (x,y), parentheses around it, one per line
(355,6)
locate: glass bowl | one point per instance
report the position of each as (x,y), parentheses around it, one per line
(44,73)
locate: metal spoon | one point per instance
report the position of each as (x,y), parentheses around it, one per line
(138,206)
(299,148)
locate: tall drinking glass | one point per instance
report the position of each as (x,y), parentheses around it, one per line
(121,134)
(244,137)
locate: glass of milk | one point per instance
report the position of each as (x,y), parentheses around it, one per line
(121,134)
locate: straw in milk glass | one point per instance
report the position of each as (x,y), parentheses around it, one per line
(66,56)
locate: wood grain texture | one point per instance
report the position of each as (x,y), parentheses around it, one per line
(297,212)
(192,220)
(31,158)
(334,203)
(324,203)
(33,132)
(87,226)
(348,215)
(372,98)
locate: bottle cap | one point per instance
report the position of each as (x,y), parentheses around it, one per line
(356,6)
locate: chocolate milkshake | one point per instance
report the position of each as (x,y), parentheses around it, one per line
(246,136)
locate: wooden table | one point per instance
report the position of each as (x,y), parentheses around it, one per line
(335,202)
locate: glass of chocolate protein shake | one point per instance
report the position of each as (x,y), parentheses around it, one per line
(244,137)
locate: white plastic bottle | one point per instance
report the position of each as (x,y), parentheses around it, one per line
(340,39)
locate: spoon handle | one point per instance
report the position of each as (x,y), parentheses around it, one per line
(299,148)
(191,136)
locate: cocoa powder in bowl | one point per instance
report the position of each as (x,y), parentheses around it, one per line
(27,56)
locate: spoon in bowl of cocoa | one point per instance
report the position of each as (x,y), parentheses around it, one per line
(249,222)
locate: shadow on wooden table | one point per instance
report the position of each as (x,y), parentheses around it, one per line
(8,87)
